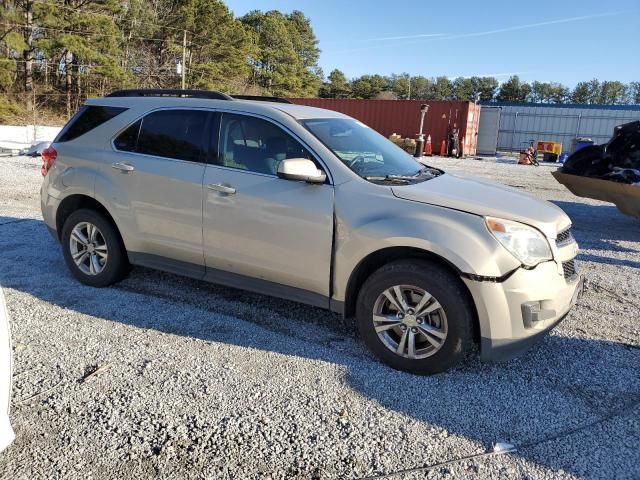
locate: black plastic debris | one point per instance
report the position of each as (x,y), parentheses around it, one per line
(617,161)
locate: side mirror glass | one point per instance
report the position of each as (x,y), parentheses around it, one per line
(301,169)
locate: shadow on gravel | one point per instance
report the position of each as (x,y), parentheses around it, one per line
(621,262)
(601,227)
(560,384)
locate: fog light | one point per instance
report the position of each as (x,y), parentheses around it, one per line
(532,313)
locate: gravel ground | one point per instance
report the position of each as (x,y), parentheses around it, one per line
(167,377)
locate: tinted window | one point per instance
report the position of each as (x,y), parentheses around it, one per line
(128,140)
(88,118)
(173,134)
(256,145)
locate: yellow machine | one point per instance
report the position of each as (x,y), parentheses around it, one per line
(550,151)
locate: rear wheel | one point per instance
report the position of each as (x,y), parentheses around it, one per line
(92,249)
(415,316)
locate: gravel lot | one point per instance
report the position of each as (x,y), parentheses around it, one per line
(167,377)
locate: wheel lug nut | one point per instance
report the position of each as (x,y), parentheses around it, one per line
(400,316)
(410,311)
(403,327)
(419,320)
(414,330)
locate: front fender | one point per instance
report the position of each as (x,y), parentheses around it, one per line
(367,223)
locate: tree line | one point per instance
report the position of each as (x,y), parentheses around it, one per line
(405,86)
(62,51)
(56,53)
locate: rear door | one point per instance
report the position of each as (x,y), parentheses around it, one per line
(260,226)
(159,161)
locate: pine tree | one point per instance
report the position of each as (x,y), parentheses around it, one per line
(337,86)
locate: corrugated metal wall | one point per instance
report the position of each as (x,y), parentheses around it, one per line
(521,123)
(403,117)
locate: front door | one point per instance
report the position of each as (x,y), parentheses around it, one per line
(258,227)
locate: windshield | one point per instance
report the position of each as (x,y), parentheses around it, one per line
(368,153)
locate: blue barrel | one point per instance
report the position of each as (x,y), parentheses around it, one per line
(583,143)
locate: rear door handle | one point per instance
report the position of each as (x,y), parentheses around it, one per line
(218,187)
(123,167)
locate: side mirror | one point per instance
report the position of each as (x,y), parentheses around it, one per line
(300,169)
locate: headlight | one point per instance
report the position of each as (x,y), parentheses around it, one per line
(525,243)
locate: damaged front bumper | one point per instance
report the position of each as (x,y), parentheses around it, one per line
(516,313)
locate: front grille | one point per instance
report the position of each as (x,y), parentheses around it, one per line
(564,237)
(569,268)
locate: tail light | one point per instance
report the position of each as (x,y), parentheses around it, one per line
(49,156)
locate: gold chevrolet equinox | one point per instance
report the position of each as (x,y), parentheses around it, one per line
(313,206)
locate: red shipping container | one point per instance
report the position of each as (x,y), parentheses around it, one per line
(403,117)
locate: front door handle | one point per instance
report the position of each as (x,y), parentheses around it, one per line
(123,167)
(218,187)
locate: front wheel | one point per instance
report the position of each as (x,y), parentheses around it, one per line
(415,316)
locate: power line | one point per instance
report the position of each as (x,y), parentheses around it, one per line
(134,23)
(168,70)
(78,32)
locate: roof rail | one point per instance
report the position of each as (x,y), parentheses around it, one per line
(159,92)
(259,98)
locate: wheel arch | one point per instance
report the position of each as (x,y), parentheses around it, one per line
(76,202)
(379,258)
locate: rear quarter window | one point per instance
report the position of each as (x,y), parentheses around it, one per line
(87,118)
(127,141)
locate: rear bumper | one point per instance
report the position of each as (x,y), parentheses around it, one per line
(517,313)
(49,206)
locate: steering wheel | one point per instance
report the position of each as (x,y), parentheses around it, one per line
(357,160)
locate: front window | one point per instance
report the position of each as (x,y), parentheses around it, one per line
(368,153)
(255,145)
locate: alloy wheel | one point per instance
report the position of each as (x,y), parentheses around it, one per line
(410,322)
(88,248)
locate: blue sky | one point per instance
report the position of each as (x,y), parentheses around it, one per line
(564,41)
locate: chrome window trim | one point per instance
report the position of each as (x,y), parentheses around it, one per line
(240,170)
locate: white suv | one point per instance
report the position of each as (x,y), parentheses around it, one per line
(6,432)
(310,205)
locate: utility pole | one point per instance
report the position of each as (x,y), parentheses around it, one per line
(27,55)
(409,93)
(184,58)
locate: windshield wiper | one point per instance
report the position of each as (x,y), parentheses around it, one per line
(390,178)
(427,171)
(434,172)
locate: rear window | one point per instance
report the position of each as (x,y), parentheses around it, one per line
(88,118)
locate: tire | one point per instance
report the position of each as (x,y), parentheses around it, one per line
(108,249)
(454,318)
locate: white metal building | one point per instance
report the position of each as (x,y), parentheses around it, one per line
(518,123)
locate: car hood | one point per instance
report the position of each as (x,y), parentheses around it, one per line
(482,197)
